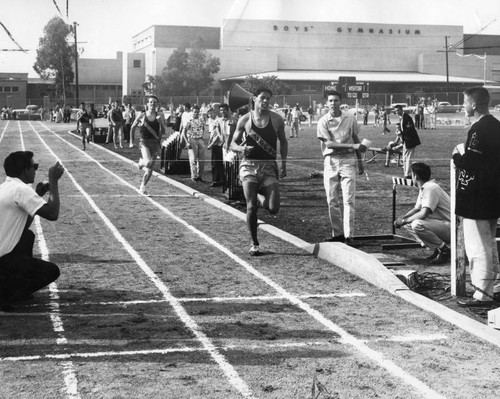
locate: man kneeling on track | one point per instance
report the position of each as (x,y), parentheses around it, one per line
(20,273)
(429,220)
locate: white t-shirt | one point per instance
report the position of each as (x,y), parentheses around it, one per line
(432,196)
(18,200)
(185,117)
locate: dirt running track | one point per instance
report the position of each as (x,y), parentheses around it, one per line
(159,299)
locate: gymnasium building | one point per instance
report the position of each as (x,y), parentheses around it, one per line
(395,60)
(395,63)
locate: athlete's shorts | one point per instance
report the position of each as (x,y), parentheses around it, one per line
(149,149)
(264,173)
(84,127)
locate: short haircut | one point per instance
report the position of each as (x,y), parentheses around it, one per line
(196,107)
(187,105)
(156,98)
(421,170)
(82,103)
(224,106)
(333,93)
(479,94)
(262,89)
(17,162)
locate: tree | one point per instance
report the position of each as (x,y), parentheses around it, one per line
(201,68)
(188,72)
(173,80)
(54,56)
(278,87)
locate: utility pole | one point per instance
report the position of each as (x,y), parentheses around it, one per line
(447,72)
(77,89)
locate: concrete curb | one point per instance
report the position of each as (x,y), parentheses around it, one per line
(354,261)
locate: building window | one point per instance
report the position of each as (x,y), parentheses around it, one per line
(1,89)
(137,64)
(15,89)
(6,89)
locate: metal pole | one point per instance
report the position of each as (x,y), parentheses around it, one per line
(484,76)
(77,89)
(447,72)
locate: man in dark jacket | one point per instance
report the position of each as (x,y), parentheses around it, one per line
(478,195)
(409,136)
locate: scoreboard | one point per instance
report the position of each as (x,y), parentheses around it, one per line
(350,88)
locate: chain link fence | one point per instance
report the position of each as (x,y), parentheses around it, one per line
(304,100)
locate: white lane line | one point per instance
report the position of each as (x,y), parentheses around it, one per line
(347,338)
(165,351)
(263,298)
(68,369)
(230,372)
(3,131)
(414,337)
(132,195)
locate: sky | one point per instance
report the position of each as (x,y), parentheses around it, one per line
(107,26)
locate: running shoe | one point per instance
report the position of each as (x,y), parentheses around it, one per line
(254,250)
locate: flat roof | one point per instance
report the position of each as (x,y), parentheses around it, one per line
(370,76)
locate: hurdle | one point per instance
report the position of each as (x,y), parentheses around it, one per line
(170,157)
(405,242)
(232,186)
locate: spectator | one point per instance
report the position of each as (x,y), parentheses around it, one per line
(338,133)
(392,147)
(384,116)
(409,137)
(178,118)
(418,116)
(256,138)
(128,119)
(296,113)
(365,116)
(20,273)
(116,122)
(66,113)
(376,114)
(478,195)
(429,220)
(215,144)
(186,116)
(228,126)
(192,135)
(310,112)
(95,115)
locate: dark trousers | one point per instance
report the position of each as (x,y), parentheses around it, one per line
(217,164)
(417,121)
(126,131)
(21,274)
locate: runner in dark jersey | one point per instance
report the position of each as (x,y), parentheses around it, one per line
(152,124)
(84,121)
(256,139)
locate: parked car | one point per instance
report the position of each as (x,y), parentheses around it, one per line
(346,108)
(445,106)
(29,113)
(406,108)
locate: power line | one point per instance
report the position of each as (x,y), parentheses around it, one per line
(12,38)
(460,42)
(60,13)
